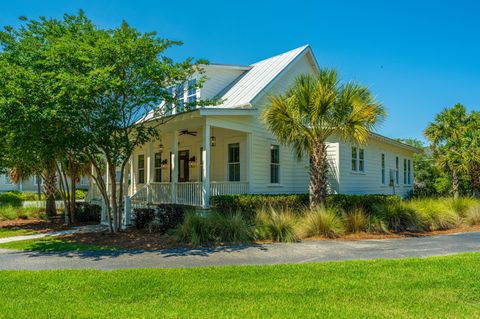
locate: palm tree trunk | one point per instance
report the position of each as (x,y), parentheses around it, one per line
(455,184)
(475,180)
(318,187)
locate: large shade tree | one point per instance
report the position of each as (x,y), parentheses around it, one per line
(317,107)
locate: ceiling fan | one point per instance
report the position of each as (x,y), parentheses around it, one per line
(187,132)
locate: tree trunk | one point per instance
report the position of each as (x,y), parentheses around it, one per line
(39,190)
(318,187)
(49,188)
(475,180)
(113,196)
(455,184)
(73,200)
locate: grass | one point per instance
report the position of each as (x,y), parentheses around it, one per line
(440,287)
(9,232)
(8,212)
(51,244)
(321,222)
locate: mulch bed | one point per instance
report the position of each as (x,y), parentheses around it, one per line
(38,225)
(130,239)
(143,240)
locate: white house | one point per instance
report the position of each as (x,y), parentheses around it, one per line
(30,184)
(226,149)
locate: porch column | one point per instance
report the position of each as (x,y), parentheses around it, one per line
(150,162)
(206,166)
(174,165)
(149,176)
(132,176)
(249,157)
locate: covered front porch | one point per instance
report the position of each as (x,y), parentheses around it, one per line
(194,159)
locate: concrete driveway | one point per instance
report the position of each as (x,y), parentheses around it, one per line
(308,251)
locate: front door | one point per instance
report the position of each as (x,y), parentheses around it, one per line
(183,157)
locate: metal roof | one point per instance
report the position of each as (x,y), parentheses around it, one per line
(252,82)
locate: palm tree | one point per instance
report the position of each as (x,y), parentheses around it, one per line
(446,133)
(315,108)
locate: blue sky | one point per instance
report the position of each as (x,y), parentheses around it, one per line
(416,56)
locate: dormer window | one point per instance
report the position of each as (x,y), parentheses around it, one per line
(180,98)
(192,93)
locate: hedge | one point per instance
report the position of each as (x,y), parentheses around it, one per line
(248,204)
(164,217)
(11,199)
(86,212)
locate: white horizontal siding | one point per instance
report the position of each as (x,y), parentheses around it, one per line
(370,181)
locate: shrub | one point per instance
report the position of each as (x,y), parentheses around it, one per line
(80,194)
(9,212)
(276,225)
(169,216)
(249,204)
(434,214)
(195,229)
(229,227)
(459,205)
(473,215)
(367,203)
(397,216)
(86,212)
(158,219)
(321,222)
(14,199)
(356,221)
(142,217)
(376,224)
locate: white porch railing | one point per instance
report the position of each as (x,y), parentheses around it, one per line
(227,188)
(161,193)
(187,193)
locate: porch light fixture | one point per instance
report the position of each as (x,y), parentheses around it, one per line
(213,139)
(192,161)
(164,164)
(160,147)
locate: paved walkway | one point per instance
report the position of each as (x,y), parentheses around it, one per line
(73,230)
(309,251)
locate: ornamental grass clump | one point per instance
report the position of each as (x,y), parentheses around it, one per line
(356,221)
(397,216)
(195,229)
(435,214)
(229,227)
(321,222)
(472,215)
(276,225)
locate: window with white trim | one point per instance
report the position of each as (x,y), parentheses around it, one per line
(158,167)
(383,169)
(405,171)
(191,94)
(274,164)
(180,98)
(409,173)
(234,162)
(397,170)
(141,169)
(358,159)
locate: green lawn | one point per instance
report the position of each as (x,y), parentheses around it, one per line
(50,244)
(444,287)
(7,232)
